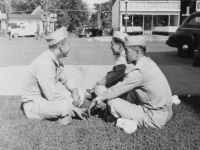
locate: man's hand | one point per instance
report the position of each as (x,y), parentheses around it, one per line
(92,106)
(81,112)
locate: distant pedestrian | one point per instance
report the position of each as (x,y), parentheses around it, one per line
(8,34)
(38,31)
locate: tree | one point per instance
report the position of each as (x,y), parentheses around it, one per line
(106,16)
(66,17)
(75,18)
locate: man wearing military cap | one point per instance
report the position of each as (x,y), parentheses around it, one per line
(117,47)
(41,98)
(119,69)
(154,97)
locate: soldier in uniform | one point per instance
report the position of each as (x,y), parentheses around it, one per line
(41,98)
(153,94)
(117,46)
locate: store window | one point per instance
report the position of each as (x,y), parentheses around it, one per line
(160,23)
(160,20)
(173,20)
(198,6)
(129,21)
(138,20)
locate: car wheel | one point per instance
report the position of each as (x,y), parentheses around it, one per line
(16,35)
(87,35)
(185,48)
(80,36)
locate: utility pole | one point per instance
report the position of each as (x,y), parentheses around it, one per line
(126,16)
(6,9)
(99,17)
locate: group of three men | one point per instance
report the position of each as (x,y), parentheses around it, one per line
(136,92)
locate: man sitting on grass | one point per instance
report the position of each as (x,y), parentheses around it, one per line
(41,98)
(119,69)
(153,94)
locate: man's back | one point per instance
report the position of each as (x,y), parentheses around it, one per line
(154,83)
(31,87)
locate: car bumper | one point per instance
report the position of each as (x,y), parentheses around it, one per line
(171,41)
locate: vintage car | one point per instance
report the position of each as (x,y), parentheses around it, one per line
(89,31)
(187,36)
(18,30)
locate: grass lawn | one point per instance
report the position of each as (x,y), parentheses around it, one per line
(18,133)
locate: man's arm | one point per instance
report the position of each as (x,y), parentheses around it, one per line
(131,80)
(68,82)
(65,79)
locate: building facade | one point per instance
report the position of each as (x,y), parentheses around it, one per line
(146,16)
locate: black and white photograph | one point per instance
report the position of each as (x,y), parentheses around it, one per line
(99,74)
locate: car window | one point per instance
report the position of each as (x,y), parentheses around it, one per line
(194,21)
(13,26)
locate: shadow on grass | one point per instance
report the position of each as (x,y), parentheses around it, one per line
(192,101)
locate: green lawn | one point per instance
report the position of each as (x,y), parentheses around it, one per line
(18,133)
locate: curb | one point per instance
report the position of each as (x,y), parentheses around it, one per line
(156,38)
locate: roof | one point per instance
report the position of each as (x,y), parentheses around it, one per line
(24,17)
(38,11)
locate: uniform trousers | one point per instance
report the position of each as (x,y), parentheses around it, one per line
(43,109)
(144,117)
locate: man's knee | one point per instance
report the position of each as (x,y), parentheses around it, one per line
(114,103)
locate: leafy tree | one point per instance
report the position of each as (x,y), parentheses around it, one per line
(70,19)
(106,16)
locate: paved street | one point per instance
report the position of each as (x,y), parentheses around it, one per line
(22,51)
(89,60)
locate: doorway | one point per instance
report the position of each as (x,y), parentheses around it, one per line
(147,24)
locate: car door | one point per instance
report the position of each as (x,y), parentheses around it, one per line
(194,27)
(23,31)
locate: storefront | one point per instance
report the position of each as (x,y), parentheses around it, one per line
(147,17)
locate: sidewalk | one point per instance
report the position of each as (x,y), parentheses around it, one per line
(11,78)
(183,80)
(148,38)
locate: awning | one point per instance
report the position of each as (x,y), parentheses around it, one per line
(151,13)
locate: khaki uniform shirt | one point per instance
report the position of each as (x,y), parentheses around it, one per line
(42,77)
(151,87)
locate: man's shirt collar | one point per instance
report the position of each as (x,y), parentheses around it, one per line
(53,57)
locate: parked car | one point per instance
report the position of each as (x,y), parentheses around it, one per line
(186,38)
(23,30)
(88,31)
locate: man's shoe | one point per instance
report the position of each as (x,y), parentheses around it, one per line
(66,120)
(129,126)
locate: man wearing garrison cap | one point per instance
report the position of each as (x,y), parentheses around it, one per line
(41,98)
(120,66)
(153,94)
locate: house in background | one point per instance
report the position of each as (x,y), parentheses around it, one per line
(37,18)
(146,16)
